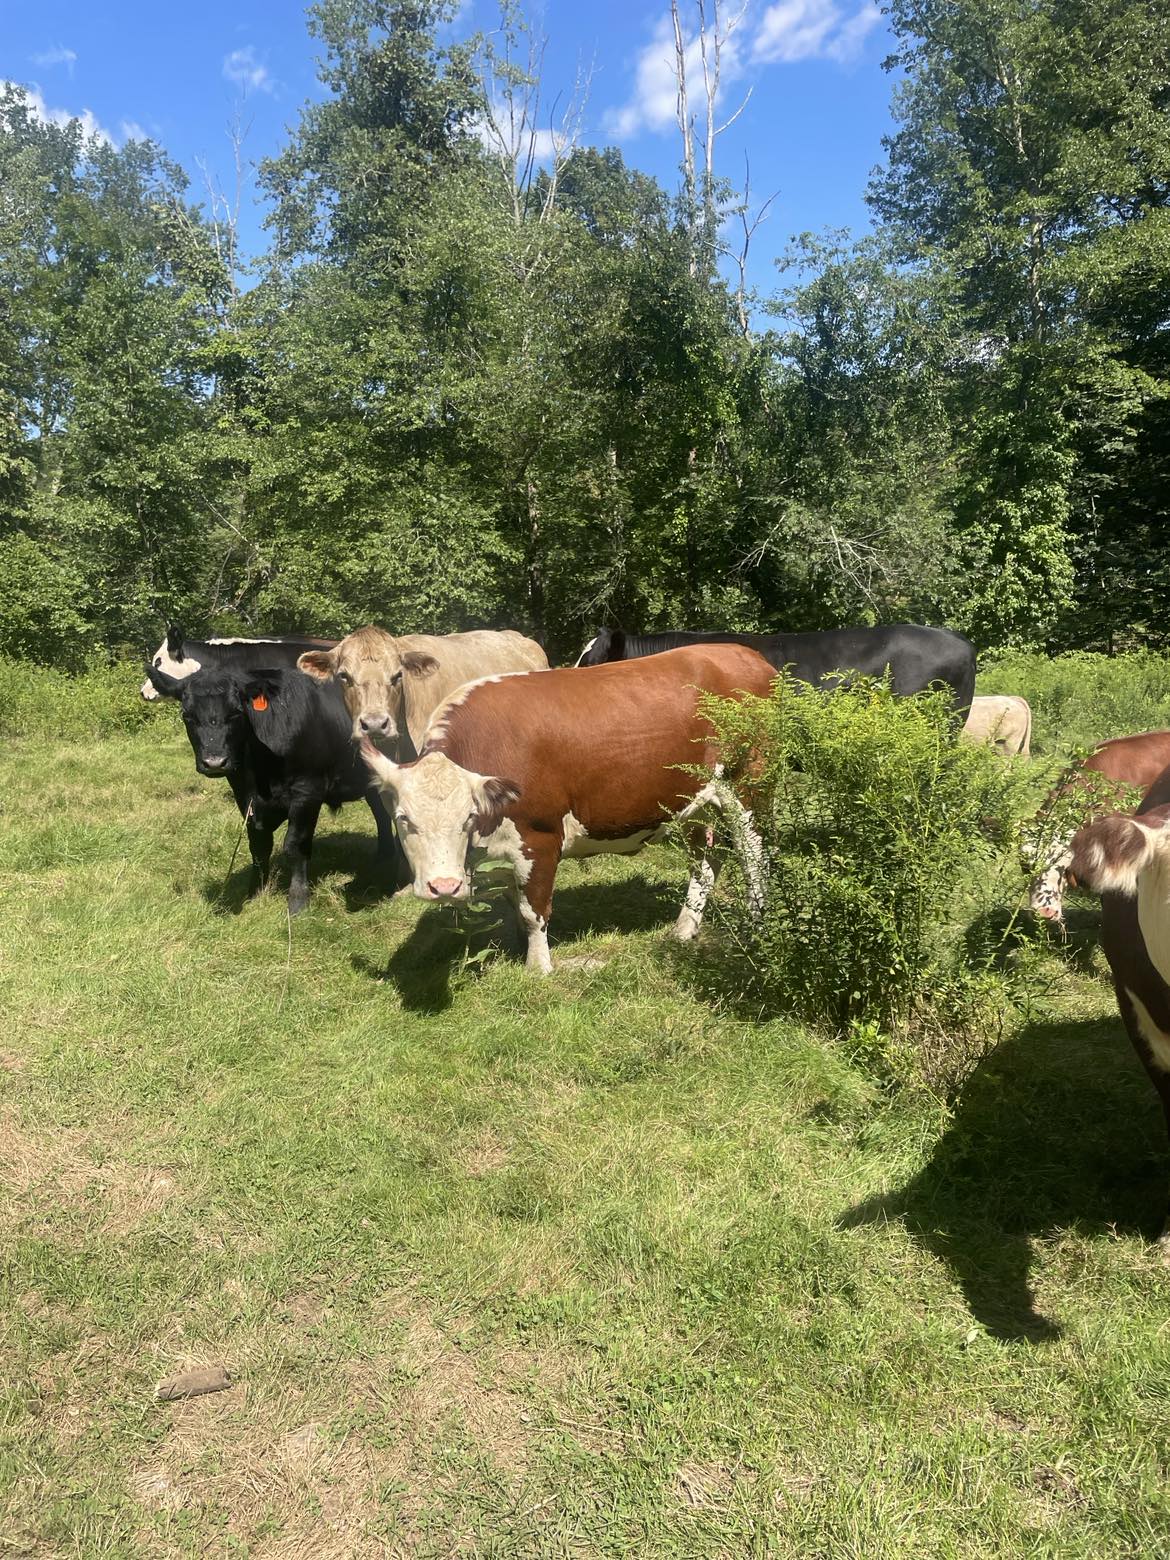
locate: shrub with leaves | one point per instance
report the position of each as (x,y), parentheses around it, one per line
(890,874)
(99,701)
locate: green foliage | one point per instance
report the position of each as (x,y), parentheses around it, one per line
(889,877)
(100,700)
(1079,699)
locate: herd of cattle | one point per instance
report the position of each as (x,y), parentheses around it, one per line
(468,746)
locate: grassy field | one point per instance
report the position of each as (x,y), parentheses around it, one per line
(510,1267)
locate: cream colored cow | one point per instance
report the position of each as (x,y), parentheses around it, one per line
(1003,721)
(392,683)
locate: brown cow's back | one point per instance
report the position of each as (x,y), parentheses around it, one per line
(1136,760)
(609,744)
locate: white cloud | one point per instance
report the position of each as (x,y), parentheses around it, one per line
(56,56)
(131,130)
(498,137)
(788,31)
(39,109)
(653,105)
(846,46)
(792,30)
(242,67)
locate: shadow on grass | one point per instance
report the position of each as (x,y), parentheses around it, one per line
(341,851)
(1057,1129)
(422,965)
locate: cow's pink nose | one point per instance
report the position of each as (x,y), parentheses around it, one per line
(1049,912)
(444,888)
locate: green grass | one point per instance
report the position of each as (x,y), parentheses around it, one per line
(512,1267)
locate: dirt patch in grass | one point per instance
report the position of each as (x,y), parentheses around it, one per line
(447,1389)
(486,1154)
(66,1169)
(253,1468)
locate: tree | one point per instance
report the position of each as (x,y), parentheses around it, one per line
(1032,169)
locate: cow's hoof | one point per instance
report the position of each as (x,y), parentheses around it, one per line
(298,902)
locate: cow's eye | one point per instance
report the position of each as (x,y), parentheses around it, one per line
(397,678)
(158,660)
(402,820)
(344,677)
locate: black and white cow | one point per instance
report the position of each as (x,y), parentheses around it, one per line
(283,742)
(179,657)
(915,657)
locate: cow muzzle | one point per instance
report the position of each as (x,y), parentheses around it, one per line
(377,727)
(214,764)
(446,888)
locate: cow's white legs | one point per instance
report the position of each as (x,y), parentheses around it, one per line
(539,960)
(690,917)
(749,847)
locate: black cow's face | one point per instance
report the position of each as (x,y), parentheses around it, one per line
(213,714)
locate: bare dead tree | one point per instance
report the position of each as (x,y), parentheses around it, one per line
(511,129)
(749,224)
(224,209)
(711,52)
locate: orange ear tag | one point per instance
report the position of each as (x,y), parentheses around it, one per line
(259,702)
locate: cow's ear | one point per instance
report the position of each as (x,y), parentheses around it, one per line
(418,663)
(492,796)
(170,687)
(175,642)
(320,664)
(274,717)
(1107,856)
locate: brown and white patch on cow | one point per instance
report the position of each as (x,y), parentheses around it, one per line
(1110,855)
(437,725)
(578,844)
(1157,1039)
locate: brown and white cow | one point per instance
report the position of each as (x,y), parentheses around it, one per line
(531,769)
(1127,861)
(1002,721)
(1096,786)
(393,683)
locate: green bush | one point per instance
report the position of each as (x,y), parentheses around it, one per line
(890,879)
(99,701)
(1081,699)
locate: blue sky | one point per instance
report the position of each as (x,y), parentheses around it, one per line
(812,127)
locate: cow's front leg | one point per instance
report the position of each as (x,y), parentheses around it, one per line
(390,852)
(534,900)
(298,847)
(261,825)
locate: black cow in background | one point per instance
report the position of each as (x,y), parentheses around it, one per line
(283,741)
(179,657)
(915,656)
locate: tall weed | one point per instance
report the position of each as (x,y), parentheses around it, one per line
(99,701)
(890,875)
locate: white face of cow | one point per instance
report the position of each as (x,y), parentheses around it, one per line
(439,809)
(185,666)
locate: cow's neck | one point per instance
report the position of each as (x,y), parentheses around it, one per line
(1153,906)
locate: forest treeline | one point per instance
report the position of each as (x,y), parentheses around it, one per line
(466,386)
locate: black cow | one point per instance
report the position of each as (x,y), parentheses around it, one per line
(283,742)
(914,656)
(179,657)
